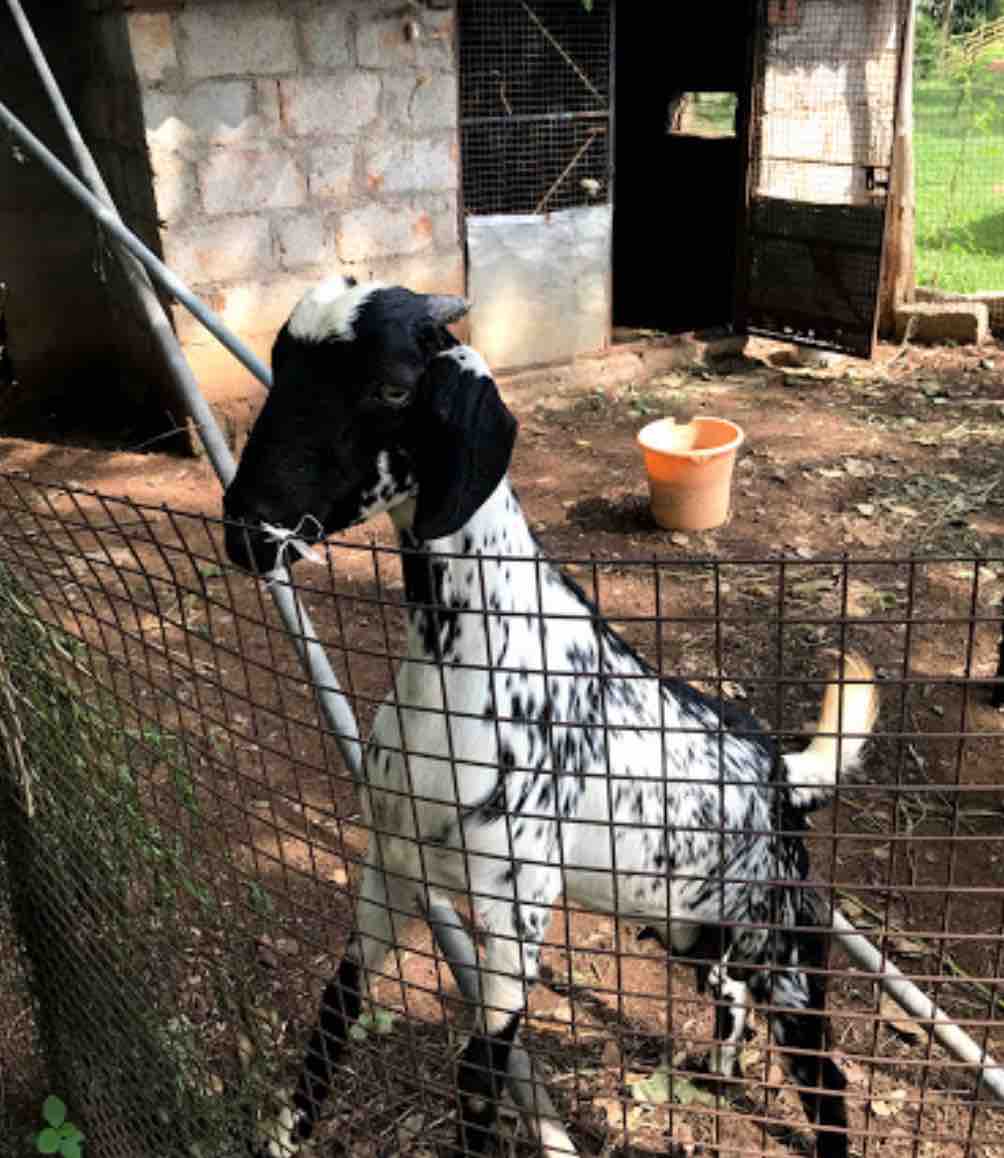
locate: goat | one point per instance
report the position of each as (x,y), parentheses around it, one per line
(526,750)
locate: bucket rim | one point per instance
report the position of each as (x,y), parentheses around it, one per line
(733,444)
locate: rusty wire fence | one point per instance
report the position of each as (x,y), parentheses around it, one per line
(181,844)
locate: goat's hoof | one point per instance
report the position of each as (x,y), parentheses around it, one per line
(831,1146)
(677,1149)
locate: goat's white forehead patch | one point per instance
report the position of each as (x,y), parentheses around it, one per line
(329,310)
(467,358)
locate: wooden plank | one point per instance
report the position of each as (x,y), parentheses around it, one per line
(899,279)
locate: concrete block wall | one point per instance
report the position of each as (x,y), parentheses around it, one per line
(288,138)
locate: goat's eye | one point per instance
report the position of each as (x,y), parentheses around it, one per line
(395,395)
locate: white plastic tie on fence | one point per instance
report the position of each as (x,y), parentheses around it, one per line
(293,540)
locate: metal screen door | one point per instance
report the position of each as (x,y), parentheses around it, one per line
(826,79)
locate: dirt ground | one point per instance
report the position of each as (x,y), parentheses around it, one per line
(880,486)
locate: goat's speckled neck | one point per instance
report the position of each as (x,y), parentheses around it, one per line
(469,570)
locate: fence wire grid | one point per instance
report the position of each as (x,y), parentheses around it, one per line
(181,846)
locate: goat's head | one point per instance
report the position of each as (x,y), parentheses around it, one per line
(374,406)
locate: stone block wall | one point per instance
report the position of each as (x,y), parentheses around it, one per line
(288,138)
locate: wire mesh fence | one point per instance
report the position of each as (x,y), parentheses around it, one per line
(182,847)
(534,105)
(959,145)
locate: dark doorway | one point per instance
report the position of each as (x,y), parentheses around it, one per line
(680,115)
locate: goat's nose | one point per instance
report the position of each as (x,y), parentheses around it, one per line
(250,547)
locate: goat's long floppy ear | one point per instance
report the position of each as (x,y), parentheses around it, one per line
(463,448)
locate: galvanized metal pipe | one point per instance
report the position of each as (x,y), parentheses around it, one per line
(909,997)
(527,1089)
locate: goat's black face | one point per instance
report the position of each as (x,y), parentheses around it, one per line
(347,428)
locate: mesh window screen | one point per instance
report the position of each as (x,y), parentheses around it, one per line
(534,104)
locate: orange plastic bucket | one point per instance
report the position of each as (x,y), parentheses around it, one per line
(689,469)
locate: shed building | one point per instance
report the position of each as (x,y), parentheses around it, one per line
(584,175)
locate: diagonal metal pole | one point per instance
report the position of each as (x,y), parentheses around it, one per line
(140,264)
(989,1073)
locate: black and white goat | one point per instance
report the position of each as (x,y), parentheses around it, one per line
(527,751)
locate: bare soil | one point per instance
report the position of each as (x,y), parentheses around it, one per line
(868,510)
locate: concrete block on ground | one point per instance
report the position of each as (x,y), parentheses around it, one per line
(993,299)
(967,323)
(551,386)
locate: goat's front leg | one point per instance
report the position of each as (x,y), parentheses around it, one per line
(375,935)
(731,1009)
(511,965)
(800,1025)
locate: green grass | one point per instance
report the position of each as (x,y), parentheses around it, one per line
(959,159)
(711,114)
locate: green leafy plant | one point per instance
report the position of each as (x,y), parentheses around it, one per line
(380,1021)
(58,1136)
(929,46)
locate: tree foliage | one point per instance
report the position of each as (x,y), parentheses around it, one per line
(962,15)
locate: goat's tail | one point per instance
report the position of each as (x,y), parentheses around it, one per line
(848,715)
